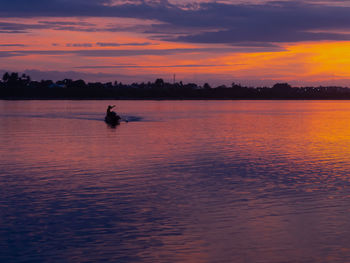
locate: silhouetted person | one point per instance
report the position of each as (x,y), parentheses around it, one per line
(111,117)
(109,112)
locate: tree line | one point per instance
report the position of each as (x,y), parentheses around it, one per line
(16,86)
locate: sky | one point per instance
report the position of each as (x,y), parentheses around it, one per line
(252,42)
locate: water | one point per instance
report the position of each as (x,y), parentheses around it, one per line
(182,181)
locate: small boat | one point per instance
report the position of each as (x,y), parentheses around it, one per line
(112,119)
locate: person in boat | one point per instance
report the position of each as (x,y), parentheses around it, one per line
(110,113)
(112,117)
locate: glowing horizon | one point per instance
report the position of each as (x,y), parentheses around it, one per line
(215,42)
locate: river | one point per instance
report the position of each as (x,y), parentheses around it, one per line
(181,181)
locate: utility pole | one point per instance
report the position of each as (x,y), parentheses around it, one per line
(174,79)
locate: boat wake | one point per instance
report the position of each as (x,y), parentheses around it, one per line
(132,118)
(74,116)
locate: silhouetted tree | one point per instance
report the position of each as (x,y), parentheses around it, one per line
(78,84)
(6,77)
(25,79)
(282,86)
(15,86)
(159,83)
(206,86)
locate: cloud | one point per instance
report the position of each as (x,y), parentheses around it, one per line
(80,26)
(7,27)
(135,52)
(12,27)
(237,36)
(78,45)
(225,22)
(104,44)
(273,22)
(150,67)
(66,23)
(12,45)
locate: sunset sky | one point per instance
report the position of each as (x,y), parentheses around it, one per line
(248,42)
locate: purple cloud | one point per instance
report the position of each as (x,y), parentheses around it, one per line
(149,67)
(109,44)
(135,52)
(78,45)
(12,45)
(208,22)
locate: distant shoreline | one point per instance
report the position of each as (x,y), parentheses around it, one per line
(15,87)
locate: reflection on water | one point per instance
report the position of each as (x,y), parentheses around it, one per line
(183,181)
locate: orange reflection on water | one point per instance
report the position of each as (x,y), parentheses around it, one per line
(187,181)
